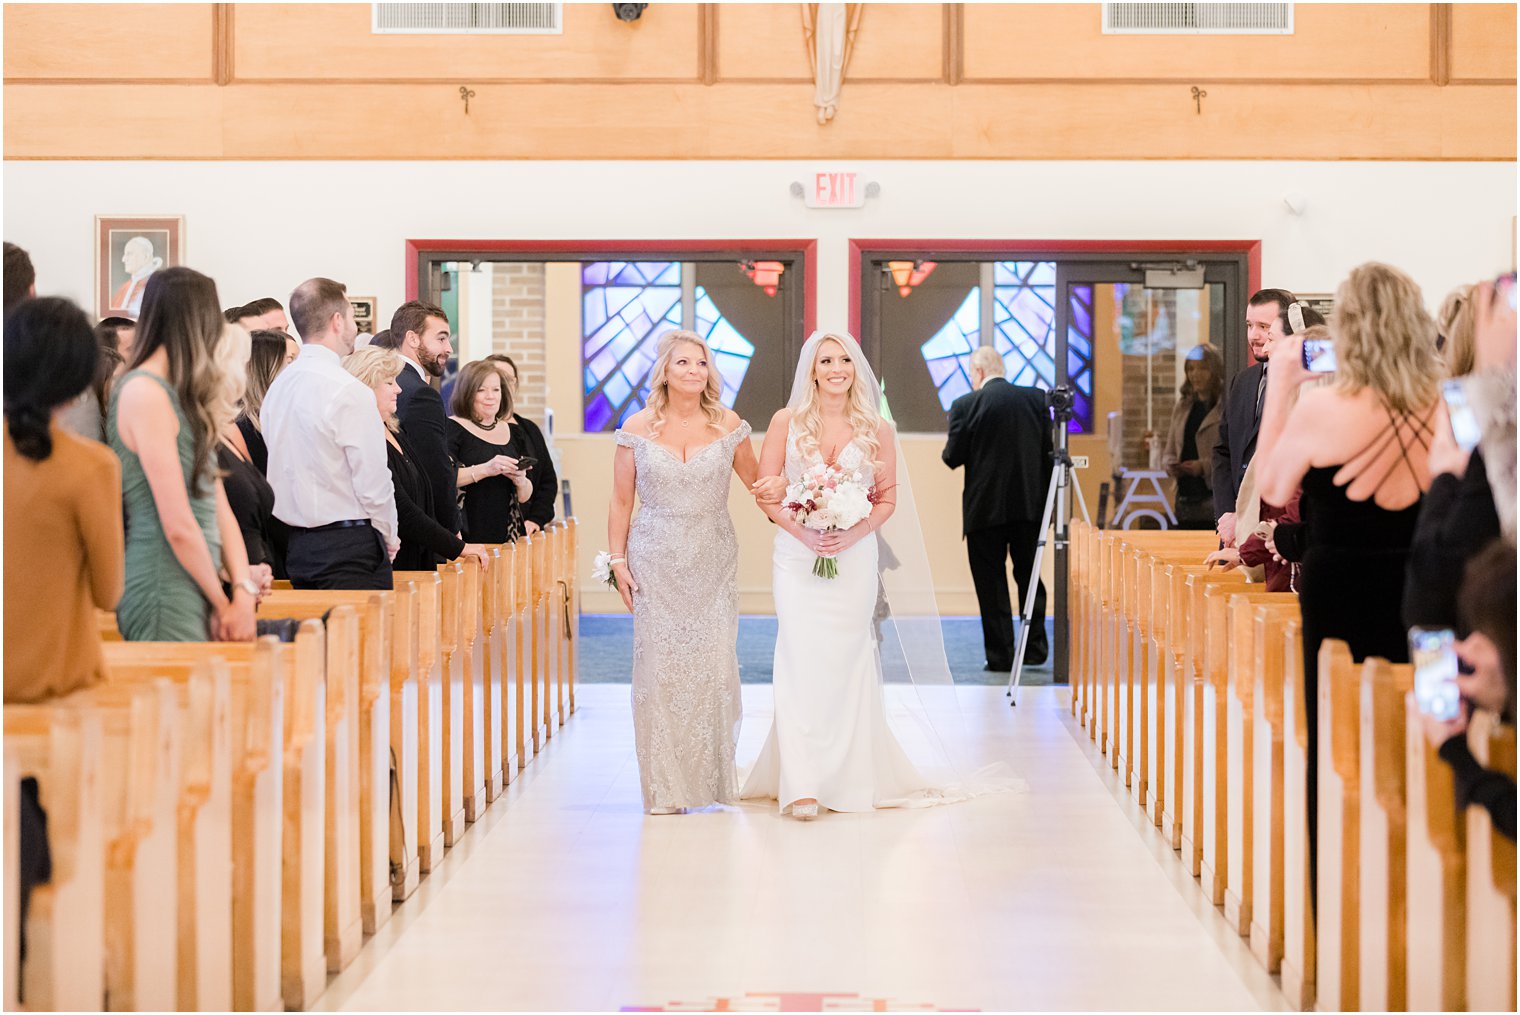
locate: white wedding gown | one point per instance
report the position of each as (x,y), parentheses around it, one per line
(830,740)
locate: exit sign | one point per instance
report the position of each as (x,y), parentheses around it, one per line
(835,190)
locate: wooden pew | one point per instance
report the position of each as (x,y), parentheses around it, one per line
(470,653)
(1241,705)
(1203,675)
(63,747)
(1268,797)
(1080,537)
(452,676)
(303,900)
(542,643)
(1380,858)
(492,614)
(426,657)
(404,690)
(1436,865)
(1156,676)
(358,730)
(570,569)
(1173,632)
(140,812)
(526,688)
(204,889)
(255,726)
(1490,881)
(1298,961)
(1338,965)
(501,649)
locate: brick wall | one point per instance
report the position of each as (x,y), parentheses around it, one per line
(517,329)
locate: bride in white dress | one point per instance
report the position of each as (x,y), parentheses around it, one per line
(830,745)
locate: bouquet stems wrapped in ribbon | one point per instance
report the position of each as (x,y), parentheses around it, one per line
(825,498)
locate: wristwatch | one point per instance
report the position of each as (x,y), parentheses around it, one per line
(247,586)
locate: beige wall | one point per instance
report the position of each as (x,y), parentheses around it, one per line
(987,81)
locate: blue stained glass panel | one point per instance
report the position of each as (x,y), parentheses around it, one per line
(1023,302)
(947,354)
(625,307)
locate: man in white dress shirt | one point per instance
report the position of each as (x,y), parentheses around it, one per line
(327,460)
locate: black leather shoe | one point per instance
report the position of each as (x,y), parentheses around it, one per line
(989,668)
(1036,652)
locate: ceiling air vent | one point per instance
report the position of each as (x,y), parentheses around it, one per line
(467,19)
(1197,19)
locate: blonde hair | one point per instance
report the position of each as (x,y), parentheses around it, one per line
(862,409)
(1456,324)
(1384,338)
(711,399)
(986,359)
(371,365)
(228,375)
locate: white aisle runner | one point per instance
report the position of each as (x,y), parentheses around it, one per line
(566,896)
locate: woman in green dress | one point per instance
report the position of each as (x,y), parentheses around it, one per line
(182,388)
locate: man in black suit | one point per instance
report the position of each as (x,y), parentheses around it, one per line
(1001,434)
(1240,419)
(420,333)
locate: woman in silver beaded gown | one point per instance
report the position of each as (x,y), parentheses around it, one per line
(676,566)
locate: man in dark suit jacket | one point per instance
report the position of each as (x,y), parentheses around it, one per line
(420,333)
(1240,418)
(1001,434)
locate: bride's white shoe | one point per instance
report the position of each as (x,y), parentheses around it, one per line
(660,811)
(805,812)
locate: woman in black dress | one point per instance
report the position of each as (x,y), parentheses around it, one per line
(487,449)
(272,352)
(539,511)
(424,543)
(1359,448)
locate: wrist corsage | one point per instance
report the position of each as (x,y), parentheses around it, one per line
(601,567)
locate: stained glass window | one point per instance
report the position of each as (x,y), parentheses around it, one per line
(625,307)
(731,349)
(1023,308)
(948,353)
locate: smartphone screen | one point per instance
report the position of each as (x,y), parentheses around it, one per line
(1434,655)
(1464,422)
(1319,355)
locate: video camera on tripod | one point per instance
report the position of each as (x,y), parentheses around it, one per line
(1062,402)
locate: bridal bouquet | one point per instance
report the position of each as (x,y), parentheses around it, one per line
(827,498)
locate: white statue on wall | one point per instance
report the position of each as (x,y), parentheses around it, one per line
(830,33)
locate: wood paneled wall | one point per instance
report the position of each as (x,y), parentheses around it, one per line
(311,81)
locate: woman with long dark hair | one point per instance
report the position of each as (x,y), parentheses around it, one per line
(271,352)
(63,541)
(164,420)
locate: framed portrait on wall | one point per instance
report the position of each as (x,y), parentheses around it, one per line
(128,249)
(364,313)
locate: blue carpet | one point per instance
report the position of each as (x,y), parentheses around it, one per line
(606,650)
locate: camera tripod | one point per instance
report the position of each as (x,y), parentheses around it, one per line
(1055,512)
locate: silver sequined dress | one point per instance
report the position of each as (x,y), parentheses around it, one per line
(685,558)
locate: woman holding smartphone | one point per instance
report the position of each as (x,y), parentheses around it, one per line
(493,464)
(1460,514)
(1358,448)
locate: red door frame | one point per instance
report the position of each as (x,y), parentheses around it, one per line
(1014,248)
(806,249)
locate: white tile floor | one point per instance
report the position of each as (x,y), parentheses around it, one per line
(566,896)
